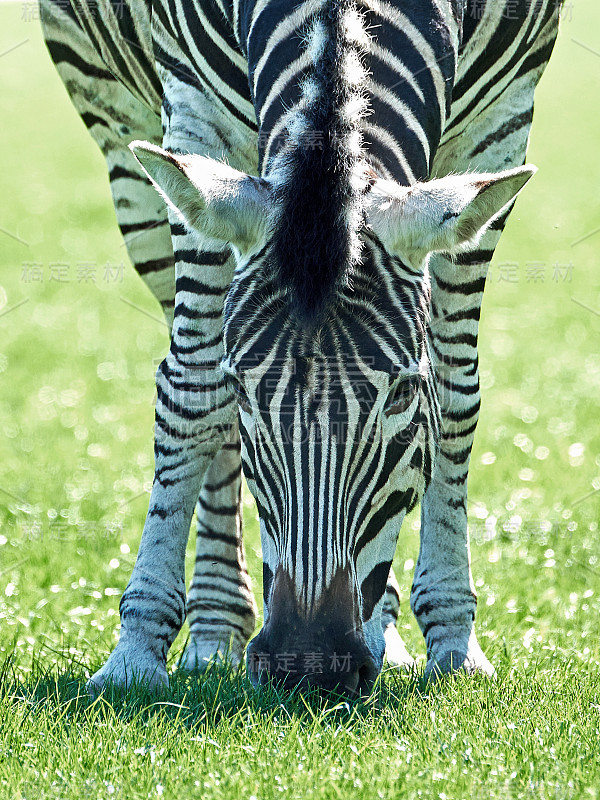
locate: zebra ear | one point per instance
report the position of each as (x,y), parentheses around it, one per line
(447,215)
(211,197)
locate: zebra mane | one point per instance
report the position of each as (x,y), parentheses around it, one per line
(316,238)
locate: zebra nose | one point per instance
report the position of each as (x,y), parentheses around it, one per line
(322,646)
(349,670)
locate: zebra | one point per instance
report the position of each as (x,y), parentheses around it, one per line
(313,192)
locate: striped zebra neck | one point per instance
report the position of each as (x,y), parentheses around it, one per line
(316,239)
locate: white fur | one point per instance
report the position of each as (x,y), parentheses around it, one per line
(354,29)
(353,70)
(316,40)
(297,127)
(210,197)
(310,90)
(411,220)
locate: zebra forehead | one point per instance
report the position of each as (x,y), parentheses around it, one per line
(380,319)
(299,366)
(359,354)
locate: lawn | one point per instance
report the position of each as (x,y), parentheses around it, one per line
(80,340)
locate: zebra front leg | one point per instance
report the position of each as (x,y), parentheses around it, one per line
(152,608)
(221,607)
(443,596)
(195,415)
(396,653)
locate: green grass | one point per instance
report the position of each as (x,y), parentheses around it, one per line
(217,738)
(77,361)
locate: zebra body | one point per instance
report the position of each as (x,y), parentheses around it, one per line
(333,299)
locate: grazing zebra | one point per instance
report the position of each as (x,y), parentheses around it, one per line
(337,174)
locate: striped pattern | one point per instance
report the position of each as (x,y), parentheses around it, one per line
(310,417)
(353,368)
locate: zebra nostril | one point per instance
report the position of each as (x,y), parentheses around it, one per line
(367,674)
(352,684)
(359,682)
(326,651)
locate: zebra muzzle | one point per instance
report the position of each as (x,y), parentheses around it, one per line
(319,647)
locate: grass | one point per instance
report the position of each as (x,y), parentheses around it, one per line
(77,360)
(217,738)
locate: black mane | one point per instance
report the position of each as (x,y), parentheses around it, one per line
(315,242)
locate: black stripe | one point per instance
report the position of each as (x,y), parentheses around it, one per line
(504,131)
(221,511)
(118,172)
(90,120)
(181,310)
(147,225)
(186,284)
(476,257)
(154,265)
(63,54)
(203,257)
(470,287)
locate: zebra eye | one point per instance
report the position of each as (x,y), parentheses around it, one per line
(240,394)
(401,396)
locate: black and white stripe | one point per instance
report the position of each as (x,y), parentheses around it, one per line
(308,297)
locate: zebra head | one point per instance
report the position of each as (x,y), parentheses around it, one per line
(338,405)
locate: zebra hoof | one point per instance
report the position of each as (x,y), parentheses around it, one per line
(200,654)
(396,654)
(128,670)
(451,662)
